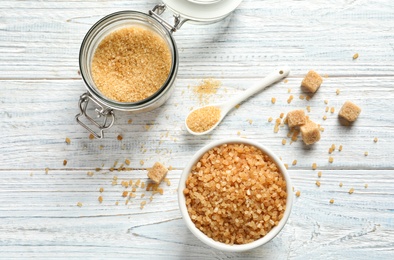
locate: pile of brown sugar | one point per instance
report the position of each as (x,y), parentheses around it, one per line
(206,88)
(235,194)
(131,64)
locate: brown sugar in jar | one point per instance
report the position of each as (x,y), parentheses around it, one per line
(131,64)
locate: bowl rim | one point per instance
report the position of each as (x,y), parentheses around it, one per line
(219,245)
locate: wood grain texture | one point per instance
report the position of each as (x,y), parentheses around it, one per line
(39,92)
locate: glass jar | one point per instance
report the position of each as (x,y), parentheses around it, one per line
(103,116)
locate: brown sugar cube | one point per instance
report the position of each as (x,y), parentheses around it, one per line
(296,118)
(310,132)
(157,172)
(349,113)
(311,82)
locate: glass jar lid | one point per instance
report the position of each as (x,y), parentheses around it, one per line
(202,10)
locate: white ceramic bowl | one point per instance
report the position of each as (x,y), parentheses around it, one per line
(222,246)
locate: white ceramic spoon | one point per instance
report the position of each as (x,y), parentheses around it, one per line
(271,78)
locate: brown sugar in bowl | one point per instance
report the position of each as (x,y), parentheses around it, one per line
(234,207)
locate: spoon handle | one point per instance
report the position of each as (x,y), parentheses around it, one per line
(271,78)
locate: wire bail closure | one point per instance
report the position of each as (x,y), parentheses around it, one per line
(159,10)
(107,113)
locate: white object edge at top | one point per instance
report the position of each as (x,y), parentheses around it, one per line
(209,11)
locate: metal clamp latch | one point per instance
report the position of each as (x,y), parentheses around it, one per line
(106,113)
(158,10)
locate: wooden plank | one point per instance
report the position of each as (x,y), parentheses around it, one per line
(39,115)
(254,38)
(40,217)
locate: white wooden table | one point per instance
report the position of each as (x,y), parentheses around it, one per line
(40,88)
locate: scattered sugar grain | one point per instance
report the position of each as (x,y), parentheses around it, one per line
(119,137)
(351,191)
(79,204)
(101,189)
(338,91)
(91,136)
(375,139)
(68,141)
(355,56)
(332,110)
(365,153)
(294,162)
(283,141)
(340,148)
(294,137)
(137,183)
(318,183)
(273,100)
(314,166)
(331,201)
(100,199)
(298,193)
(290,99)
(270,119)
(142,205)
(319,174)
(340,184)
